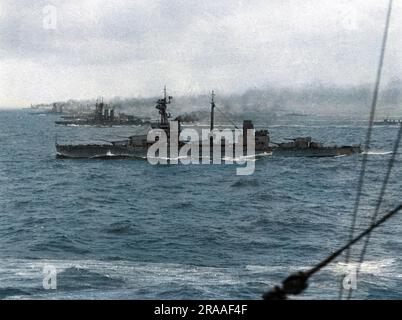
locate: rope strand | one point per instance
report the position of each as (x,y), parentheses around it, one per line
(226,117)
(297,283)
(379,202)
(368,135)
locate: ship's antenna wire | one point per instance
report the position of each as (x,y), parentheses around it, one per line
(368,135)
(226,117)
(297,283)
(391,163)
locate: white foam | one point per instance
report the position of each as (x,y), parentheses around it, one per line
(375,267)
(378,153)
(135,274)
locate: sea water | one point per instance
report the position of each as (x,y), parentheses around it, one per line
(125,229)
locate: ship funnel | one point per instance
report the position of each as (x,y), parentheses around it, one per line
(247,124)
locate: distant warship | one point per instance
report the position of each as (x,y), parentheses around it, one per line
(305,147)
(102,116)
(389,122)
(40,110)
(137,146)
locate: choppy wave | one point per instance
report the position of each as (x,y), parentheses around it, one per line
(375,267)
(131,279)
(245,183)
(124,227)
(127,280)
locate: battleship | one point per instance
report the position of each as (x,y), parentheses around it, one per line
(56,109)
(102,116)
(136,146)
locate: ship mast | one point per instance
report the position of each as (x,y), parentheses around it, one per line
(212,110)
(162,107)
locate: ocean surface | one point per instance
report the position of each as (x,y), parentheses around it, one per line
(124,229)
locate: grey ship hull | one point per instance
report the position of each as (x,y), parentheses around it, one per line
(388,123)
(113,151)
(316,152)
(101,123)
(99,151)
(109,151)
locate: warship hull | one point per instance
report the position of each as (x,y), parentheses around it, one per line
(98,151)
(108,151)
(316,152)
(100,123)
(118,152)
(388,123)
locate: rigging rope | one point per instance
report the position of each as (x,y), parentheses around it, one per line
(379,201)
(297,283)
(226,117)
(368,135)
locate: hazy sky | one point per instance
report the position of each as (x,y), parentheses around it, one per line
(132,48)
